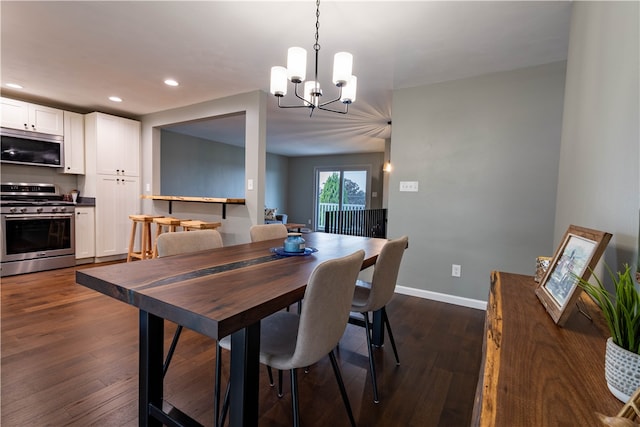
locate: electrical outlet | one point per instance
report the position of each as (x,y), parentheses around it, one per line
(456,270)
(250,184)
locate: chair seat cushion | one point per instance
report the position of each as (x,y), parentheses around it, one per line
(278,334)
(361,296)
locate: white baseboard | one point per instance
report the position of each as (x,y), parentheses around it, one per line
(436,296)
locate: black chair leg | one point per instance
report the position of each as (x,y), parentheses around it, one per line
(280,393)
(385,319)
(372,366)
(225,405)
(271,383)
(294,398)
(172,348)
(343,391)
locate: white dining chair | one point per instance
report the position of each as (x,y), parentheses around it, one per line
(289,341)
(180,242)
(372,296)
(262,232)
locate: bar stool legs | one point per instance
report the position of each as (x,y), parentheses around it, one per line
(146,248)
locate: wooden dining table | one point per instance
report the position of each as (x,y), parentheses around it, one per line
(219,292)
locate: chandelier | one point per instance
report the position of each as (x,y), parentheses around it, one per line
(311,95)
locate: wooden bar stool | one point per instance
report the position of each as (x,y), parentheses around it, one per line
(146,248)
(167,222)
(199,225)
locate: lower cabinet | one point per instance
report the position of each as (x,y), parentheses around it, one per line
(117,197)
(85,232)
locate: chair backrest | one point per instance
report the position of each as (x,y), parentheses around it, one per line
(385,273)
(262,232)
(325,309)
(180,242)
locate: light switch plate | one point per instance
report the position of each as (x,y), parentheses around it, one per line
(249,184)
(408,185)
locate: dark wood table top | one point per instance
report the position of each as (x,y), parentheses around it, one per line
(535,373)
(220,291)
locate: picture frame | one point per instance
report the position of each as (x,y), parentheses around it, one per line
(578,253)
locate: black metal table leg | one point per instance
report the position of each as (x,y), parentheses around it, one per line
(151,359)
(245,348)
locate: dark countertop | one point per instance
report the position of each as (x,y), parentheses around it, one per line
(86,202)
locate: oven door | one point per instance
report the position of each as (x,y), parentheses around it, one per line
(37,236)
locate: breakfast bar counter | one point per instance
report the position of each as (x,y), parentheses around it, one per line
(224,201)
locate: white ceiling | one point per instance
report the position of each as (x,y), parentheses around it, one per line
(78,53)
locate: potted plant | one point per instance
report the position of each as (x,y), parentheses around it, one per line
(621,310)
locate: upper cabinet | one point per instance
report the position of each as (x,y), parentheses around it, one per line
(117,144)
(26,116)
(73,143)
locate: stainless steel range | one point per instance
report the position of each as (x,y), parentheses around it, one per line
(38,228)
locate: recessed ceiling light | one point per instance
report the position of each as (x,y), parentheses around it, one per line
(14,85)
(115,99)
(171,82)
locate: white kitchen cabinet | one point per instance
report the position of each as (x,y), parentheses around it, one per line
(73,143)
(26,116)
(85,232)
(112,168)
(117,144)
(117,197)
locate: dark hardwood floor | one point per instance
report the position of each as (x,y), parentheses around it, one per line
(70,358)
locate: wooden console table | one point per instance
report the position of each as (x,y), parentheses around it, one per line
(224,201)
(535,373)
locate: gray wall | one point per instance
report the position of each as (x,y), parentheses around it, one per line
(485,153)
(599,178)
(193,166)
(302,177)
(276,181)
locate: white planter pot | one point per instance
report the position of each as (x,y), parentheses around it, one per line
(621,370)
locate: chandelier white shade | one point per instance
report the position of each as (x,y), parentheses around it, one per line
(349,91)
(342,65)
(296,64)
(278,81)
(296,71)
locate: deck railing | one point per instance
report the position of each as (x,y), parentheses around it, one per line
(366,223)
(323,208)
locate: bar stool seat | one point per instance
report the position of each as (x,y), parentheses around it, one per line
(146,248)
(199,225)
(163,222)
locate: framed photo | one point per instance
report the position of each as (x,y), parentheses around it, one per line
(578,254)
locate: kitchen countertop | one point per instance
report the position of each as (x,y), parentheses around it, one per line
(86,202)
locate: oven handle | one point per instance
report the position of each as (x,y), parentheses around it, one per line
(40,216)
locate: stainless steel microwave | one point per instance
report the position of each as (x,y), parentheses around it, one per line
(31,148)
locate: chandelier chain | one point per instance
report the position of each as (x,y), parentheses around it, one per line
(316,46)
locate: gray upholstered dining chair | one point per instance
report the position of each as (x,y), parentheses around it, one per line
(372,296)
(180,242)
(262,232)
(290,341)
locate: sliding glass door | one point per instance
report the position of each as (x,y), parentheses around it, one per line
(340,189)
